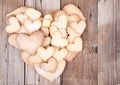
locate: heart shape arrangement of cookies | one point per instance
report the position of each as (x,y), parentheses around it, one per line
(46,42)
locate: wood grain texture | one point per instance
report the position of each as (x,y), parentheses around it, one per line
(31,78)
(118,41)
(97,64)
(15,65)
(10,56)
(83,70)
(3,46)
(107,57)
(49,6)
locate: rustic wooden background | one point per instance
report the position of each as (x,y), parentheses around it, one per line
(98,64)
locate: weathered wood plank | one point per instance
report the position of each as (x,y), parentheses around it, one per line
(83,70)
(107,71)
(31,77)
(49,6)
(3,46)
(30,74)
(30,3)
(91,43)
(15,66)
(118,41)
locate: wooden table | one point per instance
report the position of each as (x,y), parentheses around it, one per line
(97,64)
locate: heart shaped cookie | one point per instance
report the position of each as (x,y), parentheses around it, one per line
(50,66)
(48,41)
(61,22)
(60,54)
(72,9)
(54,28)
(71,34)
(30,43)
(49,17)
(47,20)
(13,25)
(78,27)
(30,59)
(58,13)
(21,18)
(35,59)
(58,40)
(76,46)
(29,12)
(12,40)
(45,54)
(32,26)
(49,75)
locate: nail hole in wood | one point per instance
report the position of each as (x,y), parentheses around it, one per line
(90,15)
(95,49)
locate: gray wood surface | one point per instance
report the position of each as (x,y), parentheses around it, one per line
(30,74)
(15,66)
(3,48)
(31,77)
(107,53)
(118,41)
(97,64)
(11,67)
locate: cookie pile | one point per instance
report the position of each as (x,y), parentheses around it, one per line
(46,42)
